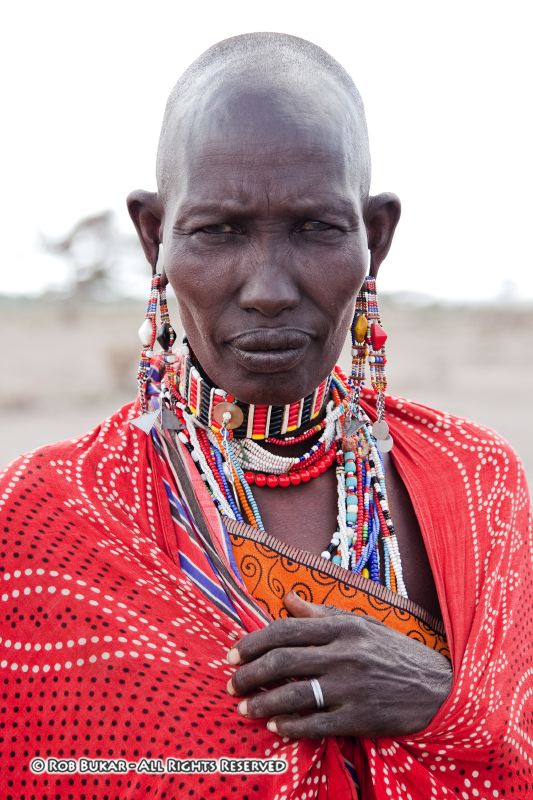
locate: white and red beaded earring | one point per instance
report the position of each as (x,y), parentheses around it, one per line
(166,335)
(368,343)
(148,332)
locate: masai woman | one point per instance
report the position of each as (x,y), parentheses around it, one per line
(264,577)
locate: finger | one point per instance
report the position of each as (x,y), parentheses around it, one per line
(291,698)
(299,607)
(282,633)
(276,665)
(314,726)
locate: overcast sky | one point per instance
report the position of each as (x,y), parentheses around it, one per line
(447,90)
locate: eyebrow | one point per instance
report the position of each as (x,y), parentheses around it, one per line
(233,209)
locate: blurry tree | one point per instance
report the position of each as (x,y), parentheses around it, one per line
(102,261)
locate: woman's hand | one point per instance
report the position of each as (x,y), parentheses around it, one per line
(375,681)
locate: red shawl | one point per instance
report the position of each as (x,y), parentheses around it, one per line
(114,628)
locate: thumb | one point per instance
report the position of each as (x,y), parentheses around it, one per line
(299,607)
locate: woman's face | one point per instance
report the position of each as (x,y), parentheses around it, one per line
(265,244)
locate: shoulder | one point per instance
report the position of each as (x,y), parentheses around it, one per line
(469,461)
(453,432)
(458,447)
(58,469)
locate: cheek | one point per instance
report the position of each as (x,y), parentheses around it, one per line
(339,282)
(199,288)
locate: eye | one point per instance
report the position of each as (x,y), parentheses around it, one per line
(222,227)
(315,225)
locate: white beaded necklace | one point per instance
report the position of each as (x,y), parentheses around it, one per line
(251,455)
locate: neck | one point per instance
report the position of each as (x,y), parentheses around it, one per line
(256,421)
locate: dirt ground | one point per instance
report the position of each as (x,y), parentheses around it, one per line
(67,367)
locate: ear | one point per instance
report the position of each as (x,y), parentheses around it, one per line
(146,211)
(381,217)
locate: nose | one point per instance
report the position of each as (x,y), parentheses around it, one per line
(269,288)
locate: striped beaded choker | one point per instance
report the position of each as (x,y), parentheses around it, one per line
(209,404)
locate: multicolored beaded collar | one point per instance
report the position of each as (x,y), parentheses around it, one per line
(208,403)
(364,541)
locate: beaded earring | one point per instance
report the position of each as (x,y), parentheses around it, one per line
(166,335)
(148,332)
(368,341)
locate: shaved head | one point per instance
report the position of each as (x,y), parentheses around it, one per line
(281,74)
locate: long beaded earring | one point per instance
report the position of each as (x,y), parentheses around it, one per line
(368,342)
(166,335)
(359,329)
(147,335)
(376,338)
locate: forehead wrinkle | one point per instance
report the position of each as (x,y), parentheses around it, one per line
(294,202)
(237,197)
(210,168)
(293,142)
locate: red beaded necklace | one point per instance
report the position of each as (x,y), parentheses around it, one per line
(297,474)
(297,439)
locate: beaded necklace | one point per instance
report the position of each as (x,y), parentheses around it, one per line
(365,540)
(258,422)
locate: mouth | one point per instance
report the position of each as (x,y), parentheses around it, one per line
(270,349)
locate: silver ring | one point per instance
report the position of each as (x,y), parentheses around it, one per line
(317,691)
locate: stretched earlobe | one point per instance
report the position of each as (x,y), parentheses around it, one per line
(146,212)
(381,217)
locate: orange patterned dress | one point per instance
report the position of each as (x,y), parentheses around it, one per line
(271,568)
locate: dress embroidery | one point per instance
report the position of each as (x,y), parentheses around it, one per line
(271,571)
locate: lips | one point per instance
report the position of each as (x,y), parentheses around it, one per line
(268,339)
(270,349)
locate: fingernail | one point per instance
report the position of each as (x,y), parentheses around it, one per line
(271,725)
(232,656)
(243,707)
(230,688)
(297,595)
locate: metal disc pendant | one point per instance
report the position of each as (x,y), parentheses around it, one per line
(237,417)
(380,429)
(385,445)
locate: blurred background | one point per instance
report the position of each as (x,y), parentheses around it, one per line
(445,87)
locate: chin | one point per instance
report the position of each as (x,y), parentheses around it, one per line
(266,378)
(275,388)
